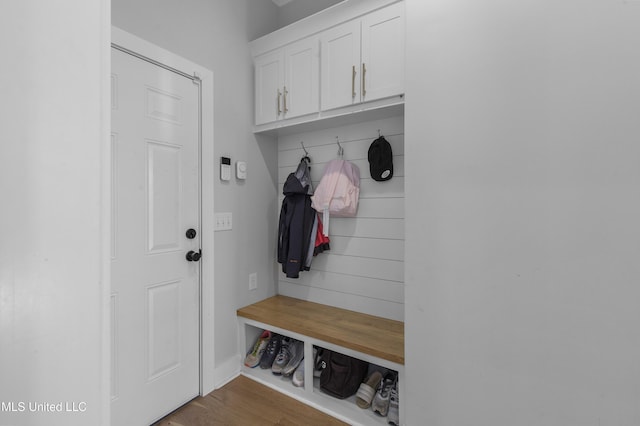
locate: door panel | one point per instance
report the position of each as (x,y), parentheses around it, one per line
(155,300)
(340,52)
(269,83)
(163,328)
(302,77)
(164,195)
(383,52)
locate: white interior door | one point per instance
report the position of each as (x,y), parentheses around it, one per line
(155,297)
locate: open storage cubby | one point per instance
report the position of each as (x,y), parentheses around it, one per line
(350,402)
(266,375)
(251,326)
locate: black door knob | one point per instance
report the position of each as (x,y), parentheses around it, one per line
(194,256)
(191,233)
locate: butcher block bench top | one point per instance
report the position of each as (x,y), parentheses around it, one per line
(376,336)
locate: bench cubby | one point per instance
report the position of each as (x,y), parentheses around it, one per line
(331,328)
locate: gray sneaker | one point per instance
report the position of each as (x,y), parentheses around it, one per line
(298,376)
(297,353)
(283,357)
(271,351)
(393,417)
(380,404)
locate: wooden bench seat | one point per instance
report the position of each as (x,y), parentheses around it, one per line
(376,336)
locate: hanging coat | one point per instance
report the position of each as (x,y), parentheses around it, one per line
(295,227)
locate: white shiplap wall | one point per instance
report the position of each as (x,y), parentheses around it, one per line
(364,270)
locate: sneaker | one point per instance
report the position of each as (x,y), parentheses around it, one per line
(297,353)
(380,402)
(298,376)
(393,417)
(283,357)
(273,347)
(253,358)
(367,389)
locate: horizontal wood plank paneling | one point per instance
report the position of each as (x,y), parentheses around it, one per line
(350,286)
(364,270)
(361,267)
(377,208)
(374,248)
(391,310)
(353,150)
(363,165)
(368,228)
(375,288)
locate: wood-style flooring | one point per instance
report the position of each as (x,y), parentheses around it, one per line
(245,402)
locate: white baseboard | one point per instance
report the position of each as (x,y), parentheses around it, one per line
(227,371)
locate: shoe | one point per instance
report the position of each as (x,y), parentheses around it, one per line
(297,353)
(272,349)
(393,416)
(367,389)
(283,357)
(380,402)
(298,376)
(253,358)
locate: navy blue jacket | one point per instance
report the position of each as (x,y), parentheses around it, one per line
(294,229)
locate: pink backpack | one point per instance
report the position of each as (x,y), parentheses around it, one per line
(338,191)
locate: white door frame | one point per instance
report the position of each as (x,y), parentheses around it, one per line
(157,54)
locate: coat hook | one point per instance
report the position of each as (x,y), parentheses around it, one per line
(340,149)
(304,149)
(379,133)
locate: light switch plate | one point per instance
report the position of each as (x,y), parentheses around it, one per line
(223,221)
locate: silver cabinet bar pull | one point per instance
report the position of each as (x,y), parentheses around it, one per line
(353,81)
(285,100)
(279,95)
(364,72)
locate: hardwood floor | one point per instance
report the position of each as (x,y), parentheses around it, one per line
(245,402)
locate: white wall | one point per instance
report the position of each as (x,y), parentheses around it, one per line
(53,287)
(298,9)
(216,35)
(522,207)
(364,269)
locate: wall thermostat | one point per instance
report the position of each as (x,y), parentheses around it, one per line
(241,170)
(225,168)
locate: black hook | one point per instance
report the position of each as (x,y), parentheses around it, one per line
(306,154)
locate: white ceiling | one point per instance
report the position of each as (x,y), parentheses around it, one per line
(280,3)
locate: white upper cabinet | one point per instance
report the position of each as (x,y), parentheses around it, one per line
(269,80)
(383,53)
(340,65)
(302,78)
(287,82)
(363,59)
(345,61)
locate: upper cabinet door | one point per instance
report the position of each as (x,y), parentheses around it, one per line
(340,66)
(269,81)
(350,63)
(301,90)
(383,53)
